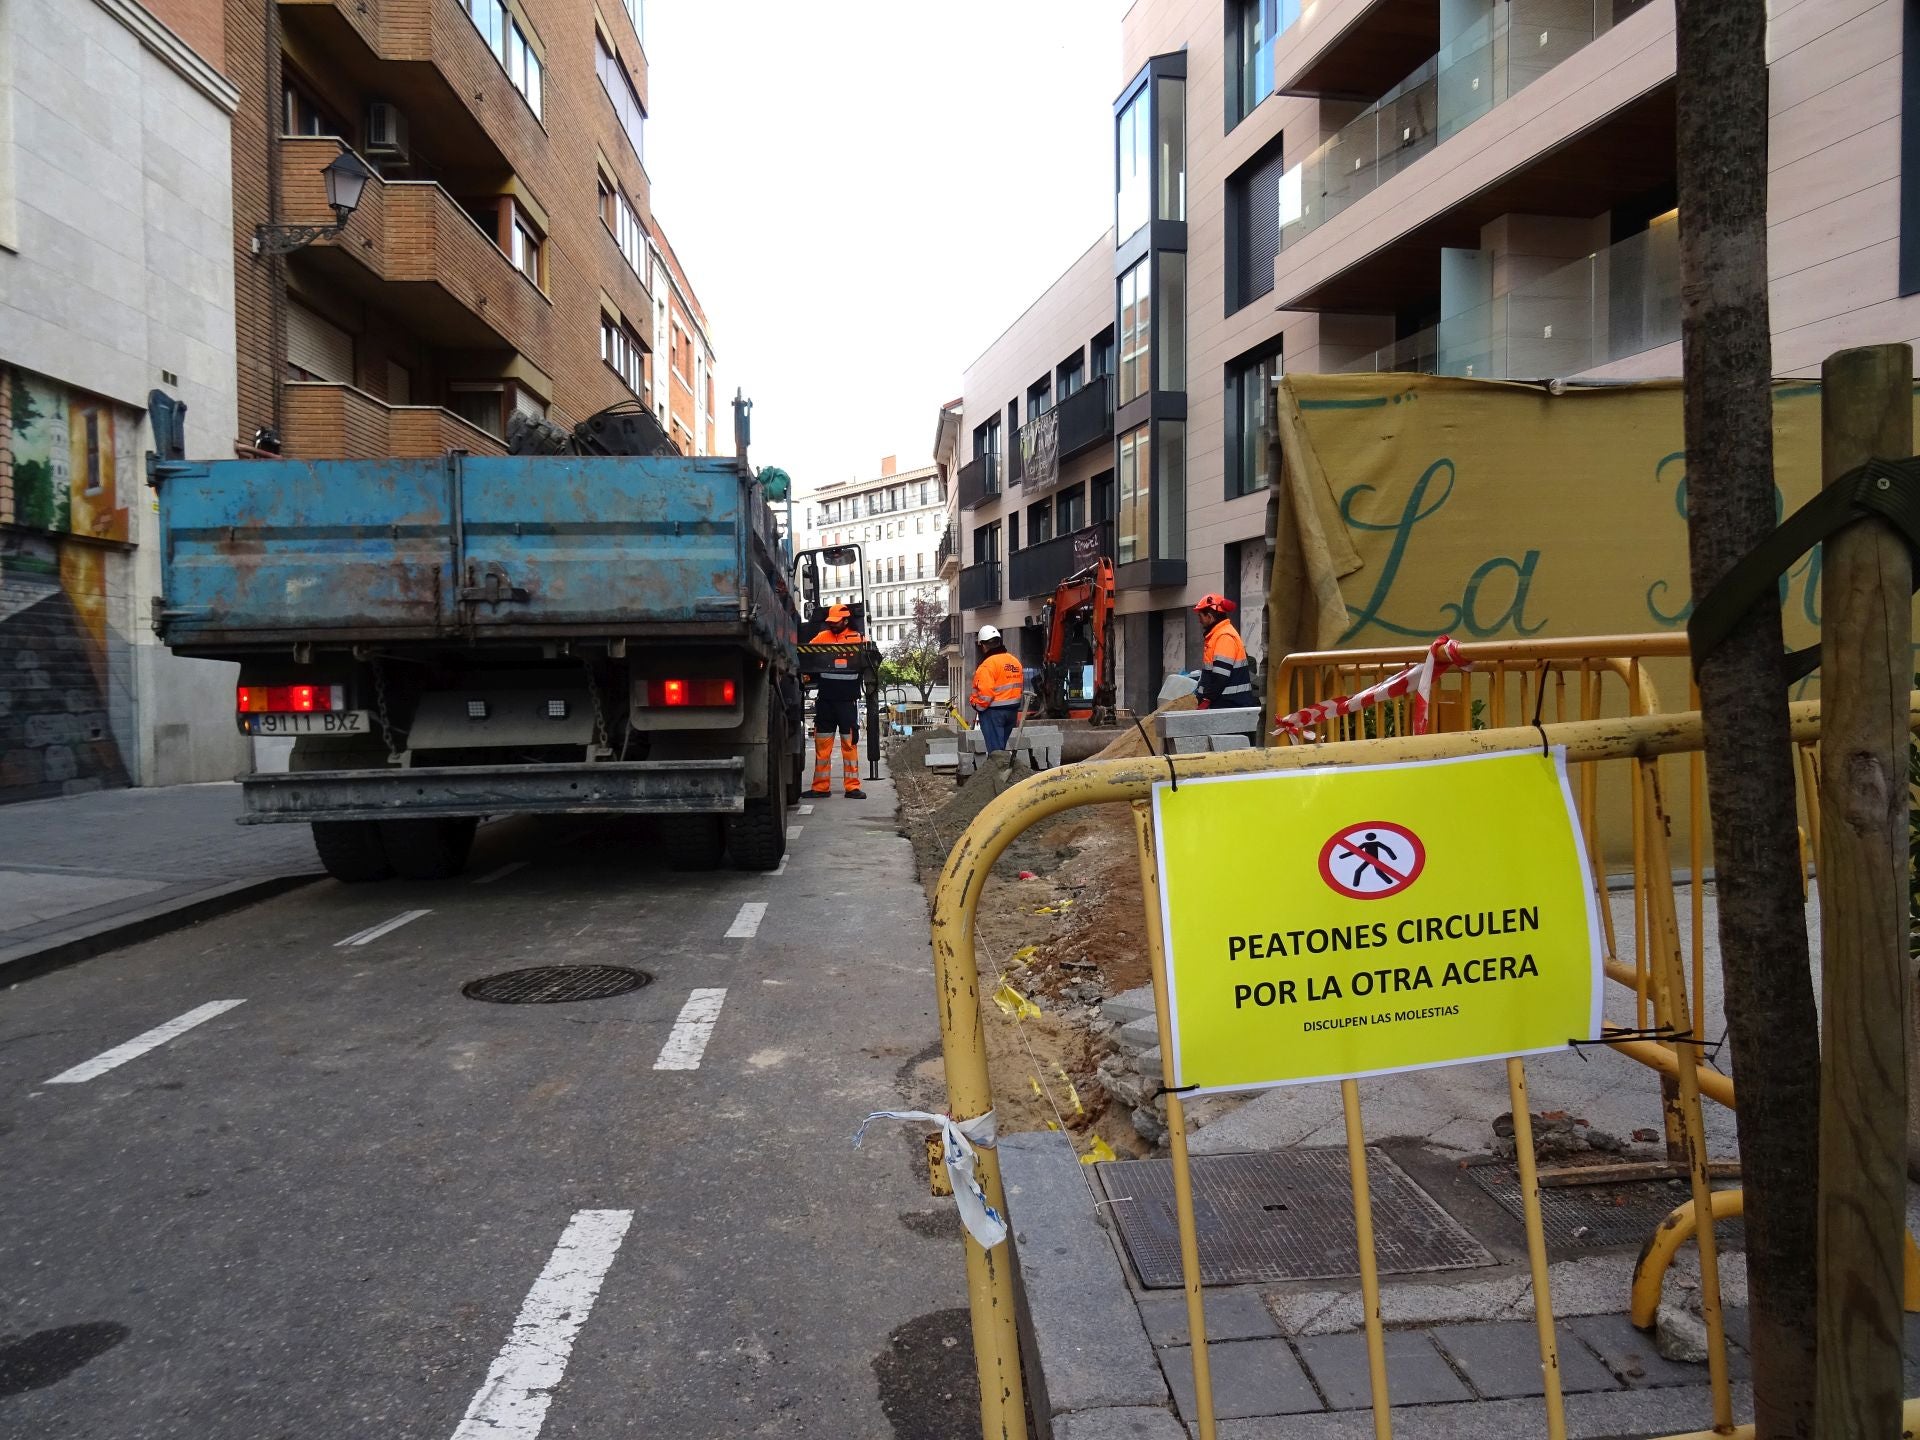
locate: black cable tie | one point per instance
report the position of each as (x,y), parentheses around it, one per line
(1539,704)
(1145,738)
(1663,1034)
(1172,1090)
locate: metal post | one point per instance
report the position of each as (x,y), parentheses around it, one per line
(1369,1262)
(1536,1249)
(1866,412)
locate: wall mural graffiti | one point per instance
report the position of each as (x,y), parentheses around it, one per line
(65,527)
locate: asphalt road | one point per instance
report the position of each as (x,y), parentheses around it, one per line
(357,1203)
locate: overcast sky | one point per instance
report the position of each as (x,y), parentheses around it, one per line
(866,192)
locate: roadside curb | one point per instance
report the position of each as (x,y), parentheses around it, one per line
(84,941)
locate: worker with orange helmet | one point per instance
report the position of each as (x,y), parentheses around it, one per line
(998,685)
(1225,681)
(836,708)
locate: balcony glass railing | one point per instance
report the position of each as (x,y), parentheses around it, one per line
(1616,303)
(1513,44)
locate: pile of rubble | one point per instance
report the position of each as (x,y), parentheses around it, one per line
(1131,1074)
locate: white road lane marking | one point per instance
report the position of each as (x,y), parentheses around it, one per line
(502,873)
(793,831)
(512,1404)
(747,923)
(781,868)
(140,1044)
(385,927)
(691,1031)
(805,810)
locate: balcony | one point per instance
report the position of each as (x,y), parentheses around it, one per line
(948,631)
(337,422)
(980,585)
(979,481)
(946,555)
(1616,303)
(1086,417)
(412,251)
(1493,60)
(1038,570)
(1348,47)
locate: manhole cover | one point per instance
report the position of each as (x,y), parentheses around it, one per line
(553,984)
(1590,1217)
(1281,1216)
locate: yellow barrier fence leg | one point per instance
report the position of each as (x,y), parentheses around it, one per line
(1369,1263)
(1176,1129)
(1536,1249)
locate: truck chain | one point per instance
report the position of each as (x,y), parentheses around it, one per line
(380,710)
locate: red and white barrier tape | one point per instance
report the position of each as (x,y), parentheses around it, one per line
(1443,655)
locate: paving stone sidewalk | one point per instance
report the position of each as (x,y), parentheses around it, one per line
(81,873)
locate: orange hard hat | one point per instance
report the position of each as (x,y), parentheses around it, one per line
(838,612)
(1219,604)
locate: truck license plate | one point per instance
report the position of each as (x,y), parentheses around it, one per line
(329,722)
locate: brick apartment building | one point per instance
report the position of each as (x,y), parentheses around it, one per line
(503,258)
(1472,187)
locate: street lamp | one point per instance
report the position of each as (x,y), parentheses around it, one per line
(346,178)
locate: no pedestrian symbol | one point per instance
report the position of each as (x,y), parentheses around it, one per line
(1372,860)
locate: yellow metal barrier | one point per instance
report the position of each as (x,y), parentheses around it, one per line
(1641,738)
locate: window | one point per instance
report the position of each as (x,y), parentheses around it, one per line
(525,244)
(986,543)
(619,87)
(317,349)
(622,350)
(1170,139)
(508,40)
(1040,397)
(1133,537)
(480,405)
(1133,162)
(1170,491)
(304,115)
(1136,331)
(1071,374)
(926,492)
(1254,27)
(1104,498)
(618,216)
(1171,322)
(1070,509)
(986,438)
(1250,423)
(1039,522)
(94,483)
(1103,352)
(1254,218)
(1013,533)
(920,566)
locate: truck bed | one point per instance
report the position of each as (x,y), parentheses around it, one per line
(258,554)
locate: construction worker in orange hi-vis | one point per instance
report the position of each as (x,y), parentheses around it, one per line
(1225,682)
(836,708)
(998,686)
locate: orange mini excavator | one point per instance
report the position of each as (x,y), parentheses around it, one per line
(1076,678)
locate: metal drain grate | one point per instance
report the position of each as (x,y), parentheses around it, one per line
(1590,1217)
(555,984)
(1287,1215)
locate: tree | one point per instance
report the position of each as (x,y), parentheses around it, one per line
(1727,367)
(917,659)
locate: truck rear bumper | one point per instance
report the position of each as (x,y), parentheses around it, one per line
(633,787)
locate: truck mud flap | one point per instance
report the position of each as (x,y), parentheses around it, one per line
(635,787)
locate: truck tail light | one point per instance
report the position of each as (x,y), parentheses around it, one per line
(289,699)
(691,693)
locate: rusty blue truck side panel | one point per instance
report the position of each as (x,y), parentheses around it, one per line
(465,548)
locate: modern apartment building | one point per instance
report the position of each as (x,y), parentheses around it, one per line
(502,256)
(898,519)
(1472,187)
(116,279)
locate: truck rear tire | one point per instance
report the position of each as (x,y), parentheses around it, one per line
(350,850)
(427,849)
(757,840)
(693,842)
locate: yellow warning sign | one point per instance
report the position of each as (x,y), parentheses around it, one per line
(1326,924)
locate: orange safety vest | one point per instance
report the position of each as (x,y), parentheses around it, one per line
(842,681)
(1225,683)
(998,681)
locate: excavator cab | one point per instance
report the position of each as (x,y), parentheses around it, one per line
(1076,676)
(811,584)
(808,566)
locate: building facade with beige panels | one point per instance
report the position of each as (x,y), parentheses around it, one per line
(1471,187)
(500,260)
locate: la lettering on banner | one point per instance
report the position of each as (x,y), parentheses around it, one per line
(1329,924)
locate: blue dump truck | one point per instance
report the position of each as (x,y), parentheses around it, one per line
(597,629)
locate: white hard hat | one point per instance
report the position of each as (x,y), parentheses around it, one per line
(987,632)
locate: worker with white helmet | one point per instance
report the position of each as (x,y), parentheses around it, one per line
(998,685)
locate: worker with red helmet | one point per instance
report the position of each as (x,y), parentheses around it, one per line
(1225,681)
(836,708)
(999,683)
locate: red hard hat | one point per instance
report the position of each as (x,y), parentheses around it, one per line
(1219,604)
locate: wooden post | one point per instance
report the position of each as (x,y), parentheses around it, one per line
(1866,668)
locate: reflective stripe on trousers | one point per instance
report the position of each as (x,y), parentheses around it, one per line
(823,763)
